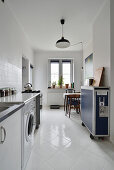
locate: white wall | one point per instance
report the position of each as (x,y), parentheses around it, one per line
(41,69)
(13,45)
(87,50)
(101,42)
(112,70)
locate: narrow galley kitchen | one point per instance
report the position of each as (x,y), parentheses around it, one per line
(56,85)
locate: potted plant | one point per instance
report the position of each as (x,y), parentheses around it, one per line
(60,81)
(54,84)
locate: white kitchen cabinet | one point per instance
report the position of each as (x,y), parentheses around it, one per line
(10,149)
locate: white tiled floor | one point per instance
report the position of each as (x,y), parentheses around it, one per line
(63,144)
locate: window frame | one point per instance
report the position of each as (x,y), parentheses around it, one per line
(54,61)
(61,60)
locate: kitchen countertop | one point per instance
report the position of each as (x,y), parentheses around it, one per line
(18,101)
(18,98)
(9,111)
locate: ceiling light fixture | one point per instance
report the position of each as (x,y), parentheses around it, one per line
(2,1)
(62,43)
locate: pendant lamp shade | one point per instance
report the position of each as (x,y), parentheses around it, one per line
(62,43)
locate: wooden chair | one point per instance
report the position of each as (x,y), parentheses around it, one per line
(70,91)
(65,99)
(73,101)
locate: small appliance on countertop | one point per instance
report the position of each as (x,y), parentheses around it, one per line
(28,86)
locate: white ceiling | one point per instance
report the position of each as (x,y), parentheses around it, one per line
(40,20)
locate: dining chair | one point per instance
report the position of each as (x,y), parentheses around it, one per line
(65,99)
(73,101)
(70,90)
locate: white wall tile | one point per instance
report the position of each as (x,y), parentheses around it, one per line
(13,45)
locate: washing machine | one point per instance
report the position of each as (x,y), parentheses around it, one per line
(28,128)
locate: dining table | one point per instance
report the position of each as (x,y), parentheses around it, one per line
(65,97)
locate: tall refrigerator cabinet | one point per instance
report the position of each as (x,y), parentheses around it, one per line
(95,110)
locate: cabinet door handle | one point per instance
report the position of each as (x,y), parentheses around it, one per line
(4,131)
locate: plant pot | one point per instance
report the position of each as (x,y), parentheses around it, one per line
(60,86)
(53,86)
(66,86)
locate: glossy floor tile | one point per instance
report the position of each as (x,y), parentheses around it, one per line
(63,144)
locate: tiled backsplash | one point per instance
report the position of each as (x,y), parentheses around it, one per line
(10,76)
(13,45)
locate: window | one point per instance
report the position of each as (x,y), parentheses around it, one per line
(66,72)
(60,67)
(54,71)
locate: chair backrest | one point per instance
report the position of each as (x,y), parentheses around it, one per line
(74,97)
(70,91)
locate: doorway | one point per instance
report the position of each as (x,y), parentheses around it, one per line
(25,71)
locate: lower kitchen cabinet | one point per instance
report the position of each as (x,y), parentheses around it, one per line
(10,142)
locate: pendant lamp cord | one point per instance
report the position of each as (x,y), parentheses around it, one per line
(62,30)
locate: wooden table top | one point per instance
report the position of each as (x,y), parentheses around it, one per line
(67,94)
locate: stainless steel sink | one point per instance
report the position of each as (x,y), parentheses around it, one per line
(7,109)
(3,108)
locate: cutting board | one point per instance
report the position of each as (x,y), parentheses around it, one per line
(98,77)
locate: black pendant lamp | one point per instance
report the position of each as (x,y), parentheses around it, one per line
(62,43)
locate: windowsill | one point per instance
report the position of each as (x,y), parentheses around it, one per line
(60,88)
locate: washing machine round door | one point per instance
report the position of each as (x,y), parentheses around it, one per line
(29,126)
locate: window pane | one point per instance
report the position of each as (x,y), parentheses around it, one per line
(54,72)
(66,73)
